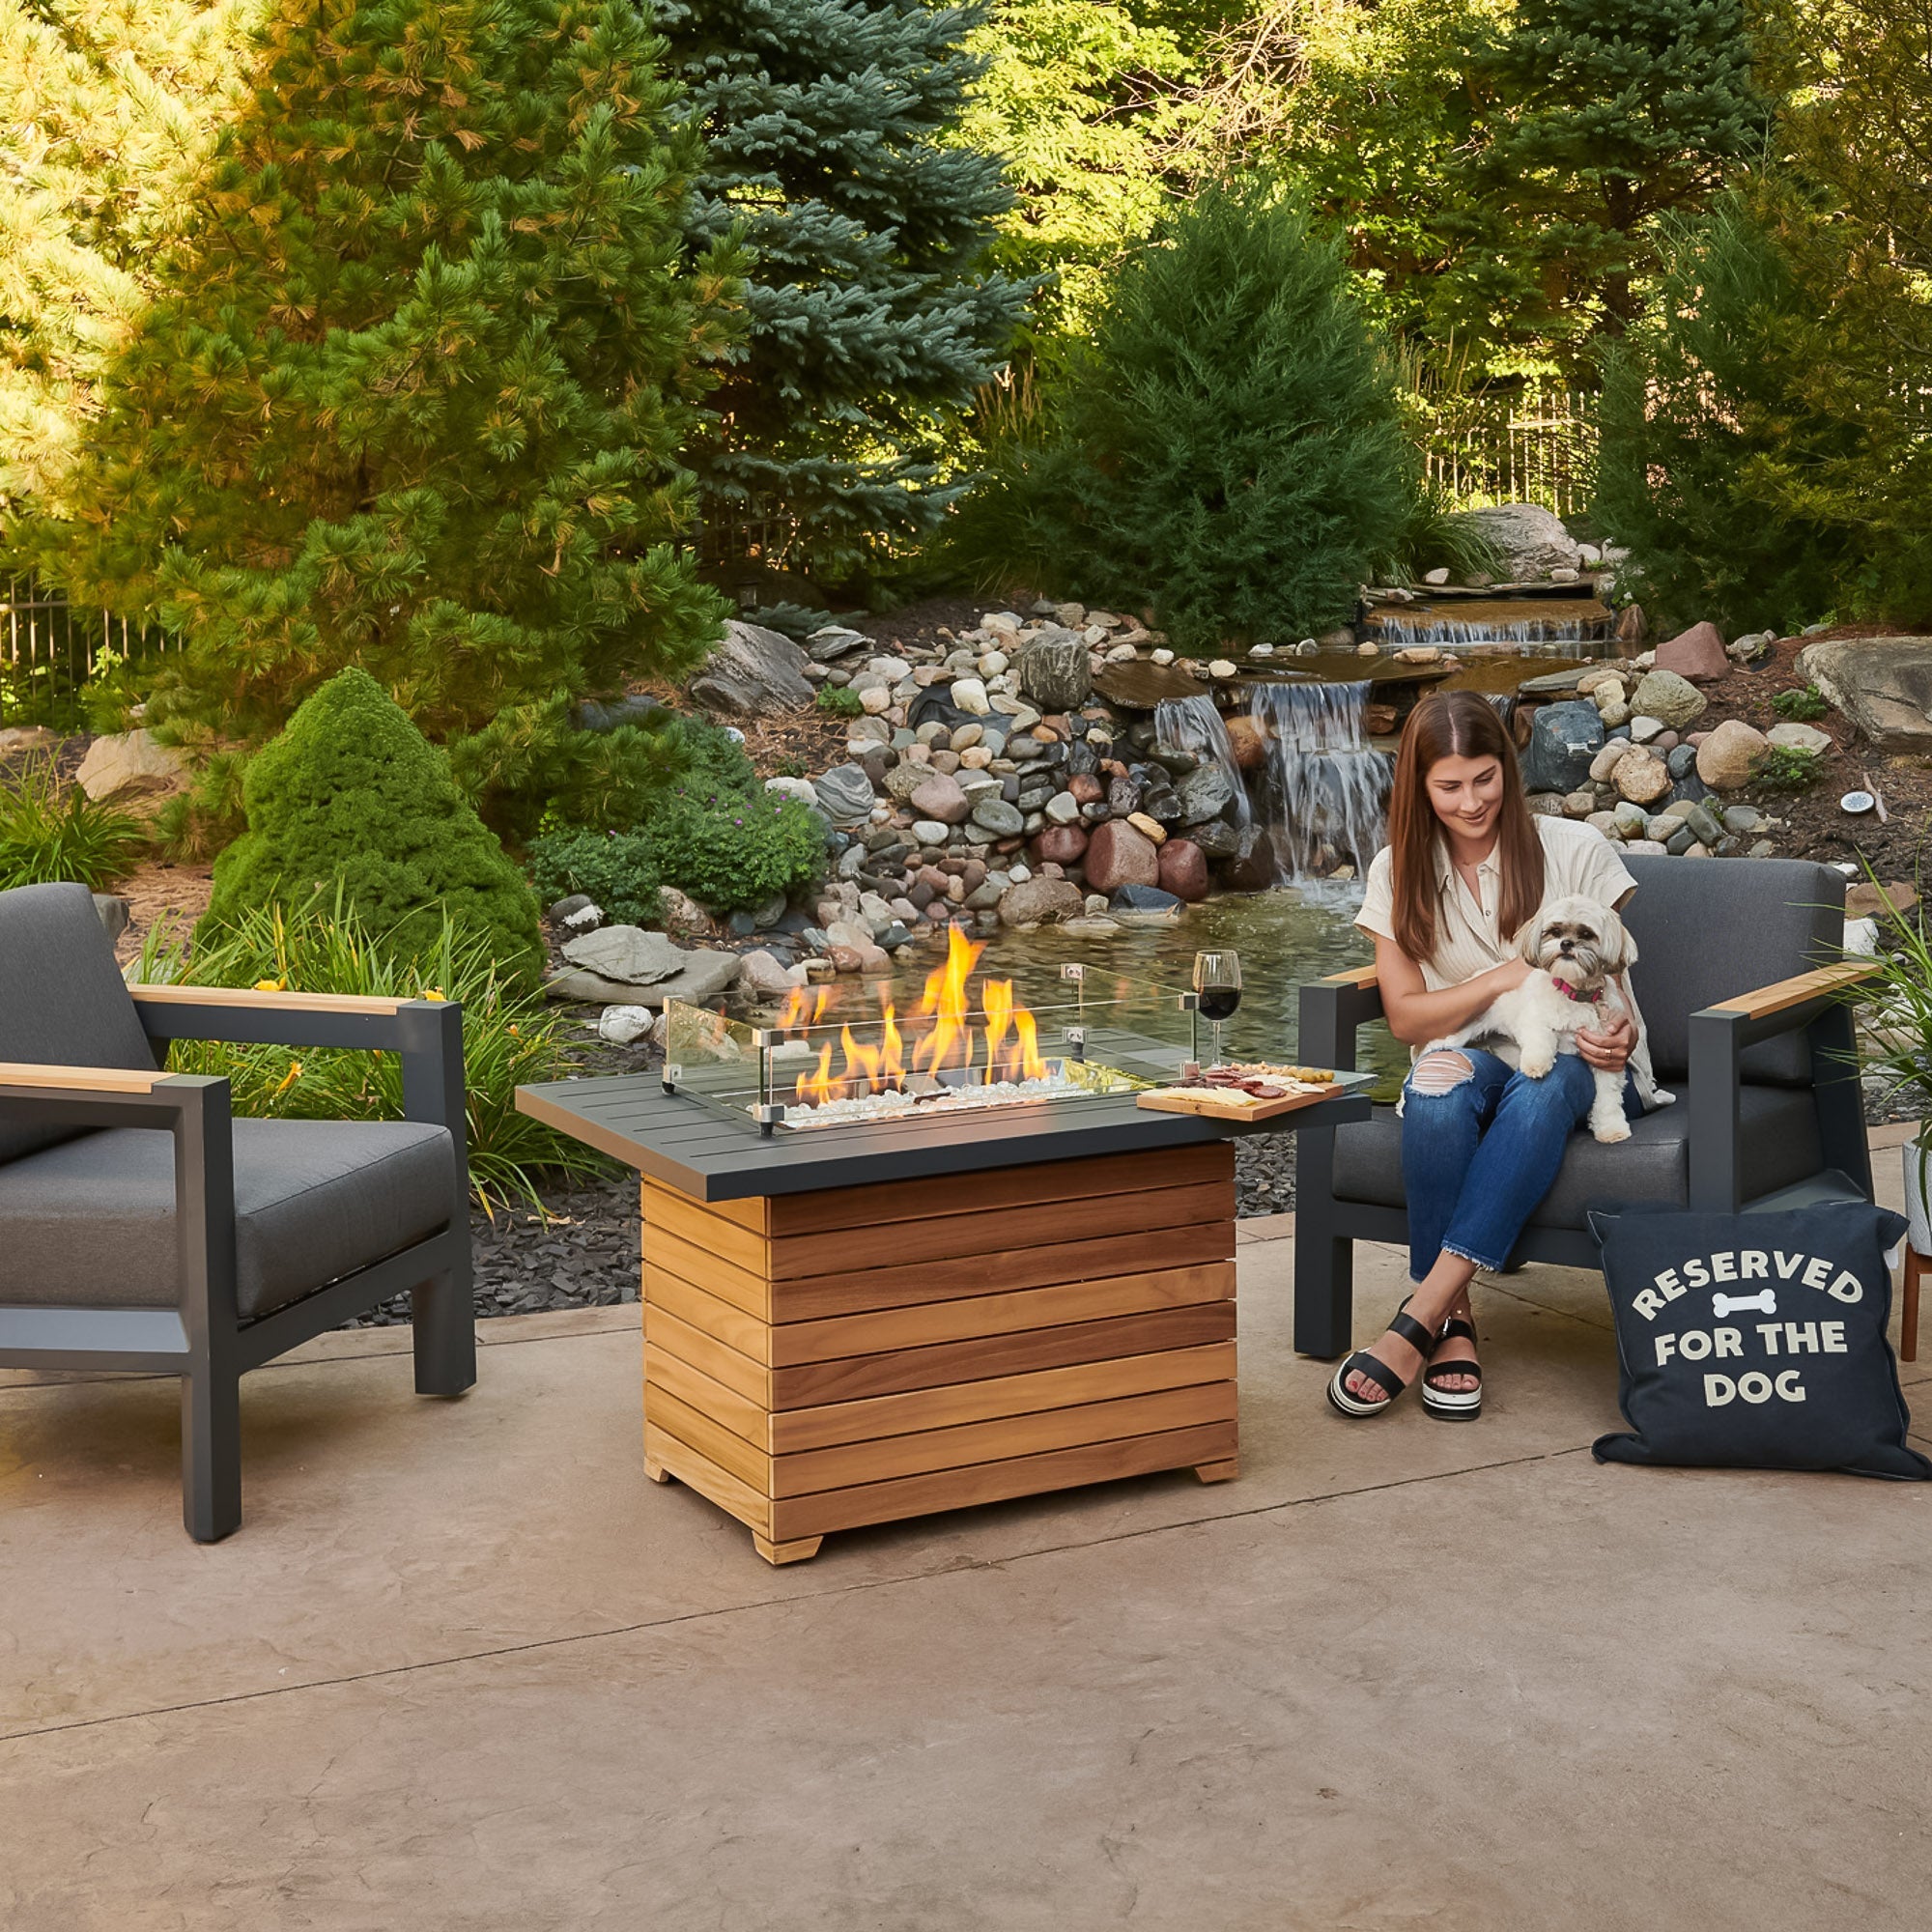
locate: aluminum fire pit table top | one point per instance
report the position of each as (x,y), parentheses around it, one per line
(685,1144)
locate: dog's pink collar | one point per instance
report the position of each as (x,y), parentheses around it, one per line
(1569,993)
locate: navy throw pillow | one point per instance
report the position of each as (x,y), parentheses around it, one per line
(1756,1341)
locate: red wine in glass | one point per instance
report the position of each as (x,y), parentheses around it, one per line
(1217,988)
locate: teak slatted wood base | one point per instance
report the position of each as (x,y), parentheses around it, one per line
(814,1362)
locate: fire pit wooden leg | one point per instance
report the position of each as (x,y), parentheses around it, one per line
(800,1552)
(1219,1472)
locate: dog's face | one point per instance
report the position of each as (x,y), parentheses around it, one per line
(1578,941)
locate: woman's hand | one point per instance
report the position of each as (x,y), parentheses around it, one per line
(1607,1048)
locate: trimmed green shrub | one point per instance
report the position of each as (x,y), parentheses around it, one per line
(1805,703)
(731,851)
(1231,449)
(50,831)
(352,801)
(618,870)
(510,1036)
(841,700)
(1786,768)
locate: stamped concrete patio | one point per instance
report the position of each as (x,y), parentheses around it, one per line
(465,1667)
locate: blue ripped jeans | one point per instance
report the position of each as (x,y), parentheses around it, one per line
(1478,1156)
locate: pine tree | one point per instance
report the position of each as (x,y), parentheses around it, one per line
(104,105)
(410,388)
(1616,112)
(874,317)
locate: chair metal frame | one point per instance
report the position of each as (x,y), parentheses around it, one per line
(204,1341)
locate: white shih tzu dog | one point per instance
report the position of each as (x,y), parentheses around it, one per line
(1578,946)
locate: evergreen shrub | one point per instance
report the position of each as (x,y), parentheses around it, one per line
(731,851)
(1786,768)
(1802,702)
(618,870)
(352,801)
(841,700)
(1230,450)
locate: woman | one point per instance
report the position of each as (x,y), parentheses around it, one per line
(1465,867)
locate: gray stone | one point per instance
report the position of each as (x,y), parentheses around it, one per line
(767,913)
(766,975)
(846,795)
(1563,740)
(130,764)
(1063,807)
(1146,898)
(619,1026)
(1745,818)
(929,831)
(1632,820)
(1675,701)
(1644,729)
(1205,793)
(704,977)
(754,672)
(1681,840)
(1531,540)
(1054,671)
(996,816)
(1682,760)
(1801,737)
(1704,823)
(565,910)
(627,954)
(1883,685)
(835,641)
(1034,901)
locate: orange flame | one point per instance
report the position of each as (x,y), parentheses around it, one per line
(805,1006)
(945,1004)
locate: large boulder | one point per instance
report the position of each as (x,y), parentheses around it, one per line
(1036,900)
(1531,540)
(1724,758)
(754,672)
(703,977)
(1252,867)
(1053,671)
(1883,685)
(1183,869)
(130,764)
(1698,654)
(1205,793)
(1118,855)
(1664,694)
(1564,741)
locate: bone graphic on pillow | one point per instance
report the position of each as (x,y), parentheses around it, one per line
(1764,1302)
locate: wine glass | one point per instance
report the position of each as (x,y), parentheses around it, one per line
(1217,984)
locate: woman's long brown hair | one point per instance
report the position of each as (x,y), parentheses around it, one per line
(1455,725)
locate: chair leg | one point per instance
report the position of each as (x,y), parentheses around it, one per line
(1324,1287)
(1908,1313)
(444,1325)
(211,1453)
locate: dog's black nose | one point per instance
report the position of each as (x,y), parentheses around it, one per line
(1568,945)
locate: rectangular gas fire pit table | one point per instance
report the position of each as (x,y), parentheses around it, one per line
(890,1317)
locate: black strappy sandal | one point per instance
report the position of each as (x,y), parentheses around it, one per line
(1378,1372)
(1454,1404)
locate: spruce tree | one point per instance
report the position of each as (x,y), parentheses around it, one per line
(873,314)
(1611,114)
(410,391)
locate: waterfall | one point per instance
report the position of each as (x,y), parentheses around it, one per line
(1193,724)
(1323,790)
(1451,632)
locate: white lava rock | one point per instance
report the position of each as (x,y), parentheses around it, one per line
(621,1025)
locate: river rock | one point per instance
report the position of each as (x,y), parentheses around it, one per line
(1205,793)
(626,954)
(845,794)
(1563,740)
(941,797)
(1579,804)
(130,764)
(1054,671)
(832,641)
(1724,759)
(1118,854)
(1604,763)
(1801,737)
(1674,701)
(1183,870)
(1036,900)
(1250,744)
(1642,777)
(1061,846)
(619,1026)
(754,672)
(1531,539)
(766,975)
(969,695)
(999,819)
(1883,685)
(1252,866)
(1150,829)
(1705,825)
(1697,653)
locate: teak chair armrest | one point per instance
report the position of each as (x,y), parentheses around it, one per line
(1821,983)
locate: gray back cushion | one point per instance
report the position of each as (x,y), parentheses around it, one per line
(63,1002)
(1708,930)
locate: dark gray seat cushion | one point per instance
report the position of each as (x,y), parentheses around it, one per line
(1778,1129)
(1706,933)
(90,1222)
(63,1002)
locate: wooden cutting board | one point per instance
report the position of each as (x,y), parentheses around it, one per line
(1220,1103)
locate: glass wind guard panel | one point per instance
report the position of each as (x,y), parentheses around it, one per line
(845,1068)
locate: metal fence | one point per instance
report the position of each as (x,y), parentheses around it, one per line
(48,650)
(1537,446)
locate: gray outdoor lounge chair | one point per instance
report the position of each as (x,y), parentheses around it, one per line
(1745,1028)
(141,1228)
